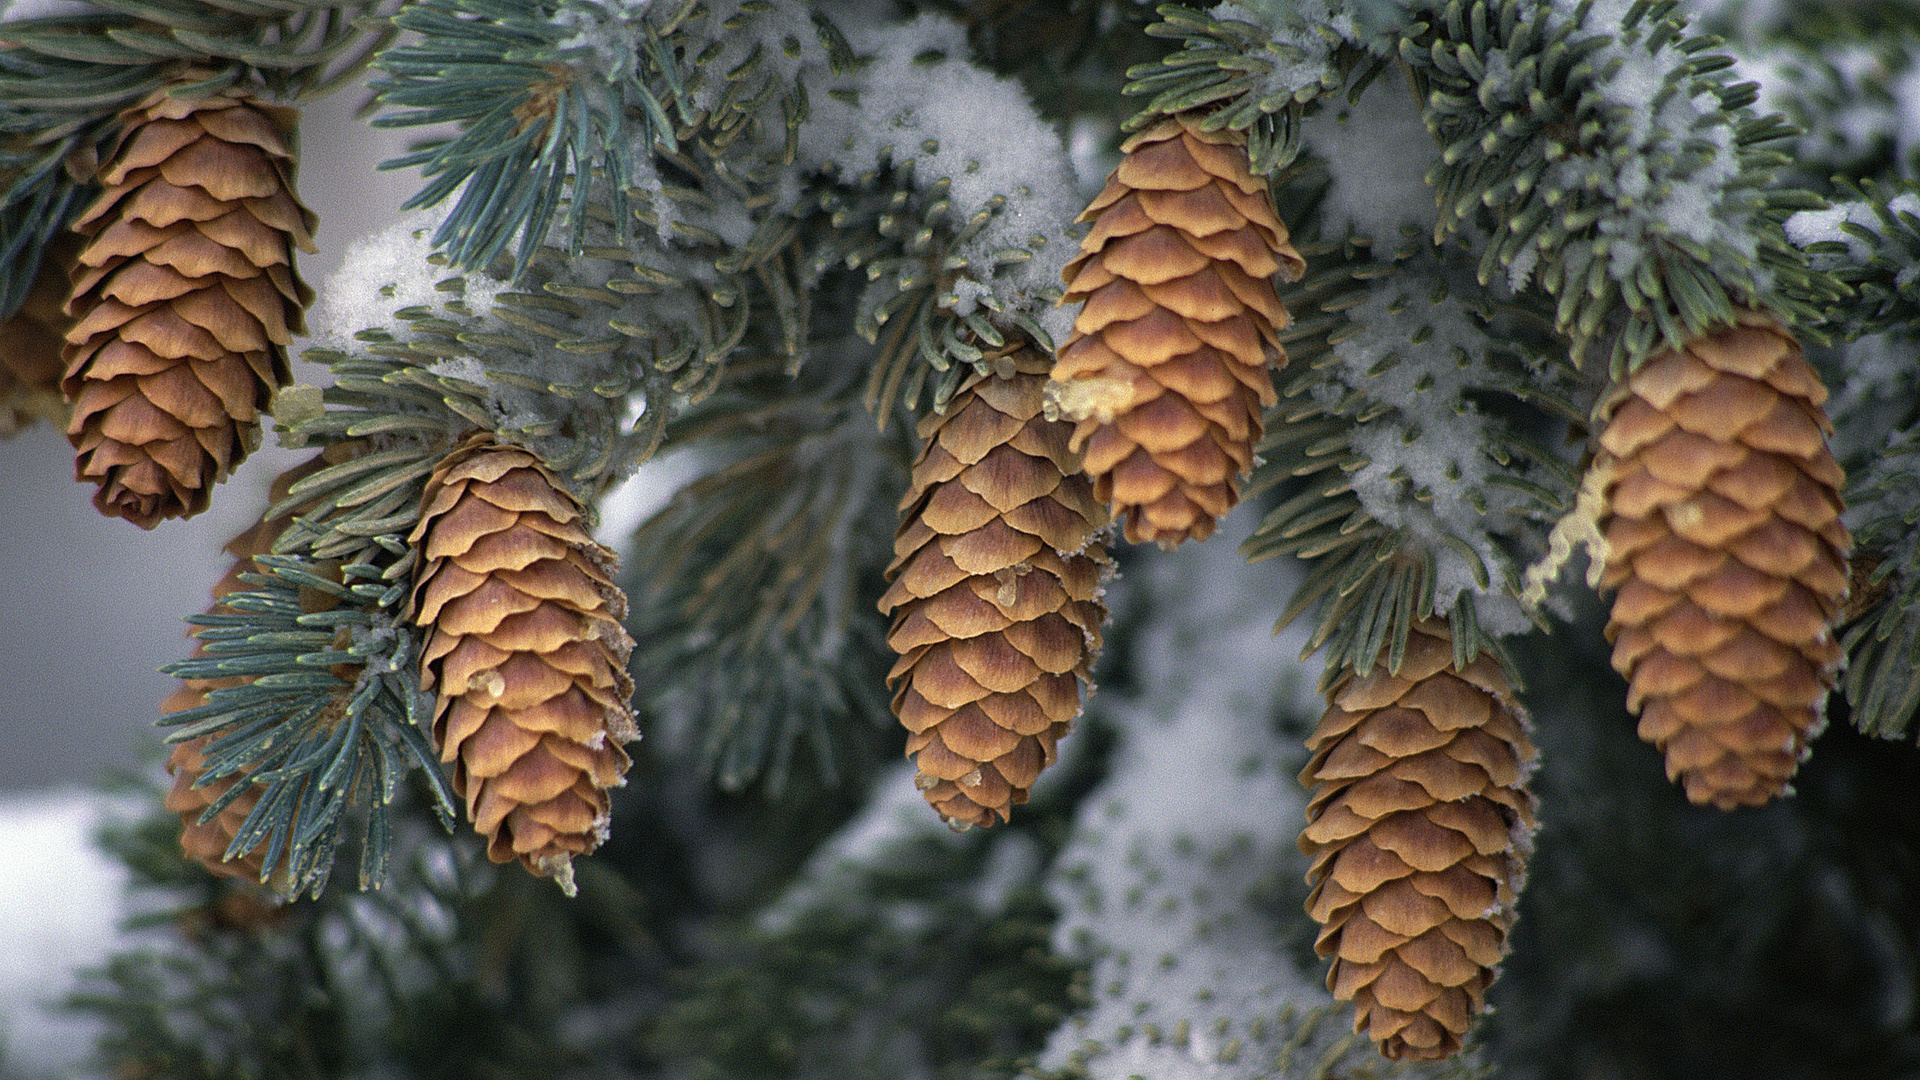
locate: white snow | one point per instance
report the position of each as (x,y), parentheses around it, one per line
(1426,459)
(387,271)
(920,100)
(1305,34)
(1182,874)
(60,904)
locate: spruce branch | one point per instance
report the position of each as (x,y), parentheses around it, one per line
(328,717)
(1610,158)
(553,101)
(1407,513)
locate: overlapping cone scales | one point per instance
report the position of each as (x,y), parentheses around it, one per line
(1419,828)
(1724,538)
(1166,370)
(995,596)
(525,652)
(183,302)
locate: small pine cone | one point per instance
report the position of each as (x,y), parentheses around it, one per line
(995,596)
(1419,829)
(1722,522)
(206,842)
(525,647)
(184,301)
(1167,367)
(30,345)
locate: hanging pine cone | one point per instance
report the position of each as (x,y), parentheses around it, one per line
(525,648)
(996,594)
(1167,367)
(1419,829)
(206,842)
(1723,535)
(184,301)
(30,344)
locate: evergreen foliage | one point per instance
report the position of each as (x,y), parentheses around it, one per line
(742,247)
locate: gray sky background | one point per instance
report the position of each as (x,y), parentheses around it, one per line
(90,606)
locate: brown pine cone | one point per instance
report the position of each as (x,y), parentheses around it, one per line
(1723,533)
(1167,367)
(996,595)
(1419,829)
(184,301)
(31,340)
(525,647)
(207,842)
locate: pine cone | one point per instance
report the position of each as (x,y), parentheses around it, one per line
(184,301)
(206,842)
(30,344)
(1419,829)
(995,597)
(1166,370)
(525,647)
(1723,533)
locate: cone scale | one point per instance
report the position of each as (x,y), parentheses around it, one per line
(1723,532)
(1167,369)
(525,653)
(31,342)
(995,595)
(183,302)
(1418,828)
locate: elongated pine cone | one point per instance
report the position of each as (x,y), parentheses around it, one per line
(1722,522)
(31,340)
(527,654)
(995,596)
(206,842)
(1419,829)
(1166,370)
(184,301)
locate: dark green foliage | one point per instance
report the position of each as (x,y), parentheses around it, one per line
(920,979)
(754,588)
(1659,939)
(1369,579)
(1882,680)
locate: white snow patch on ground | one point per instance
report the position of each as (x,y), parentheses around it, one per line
(60,903)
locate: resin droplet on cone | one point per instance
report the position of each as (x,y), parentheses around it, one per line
(184,301)
(1419,828)
(995,596)
(1166,371)
(1723,533)
(526,653)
